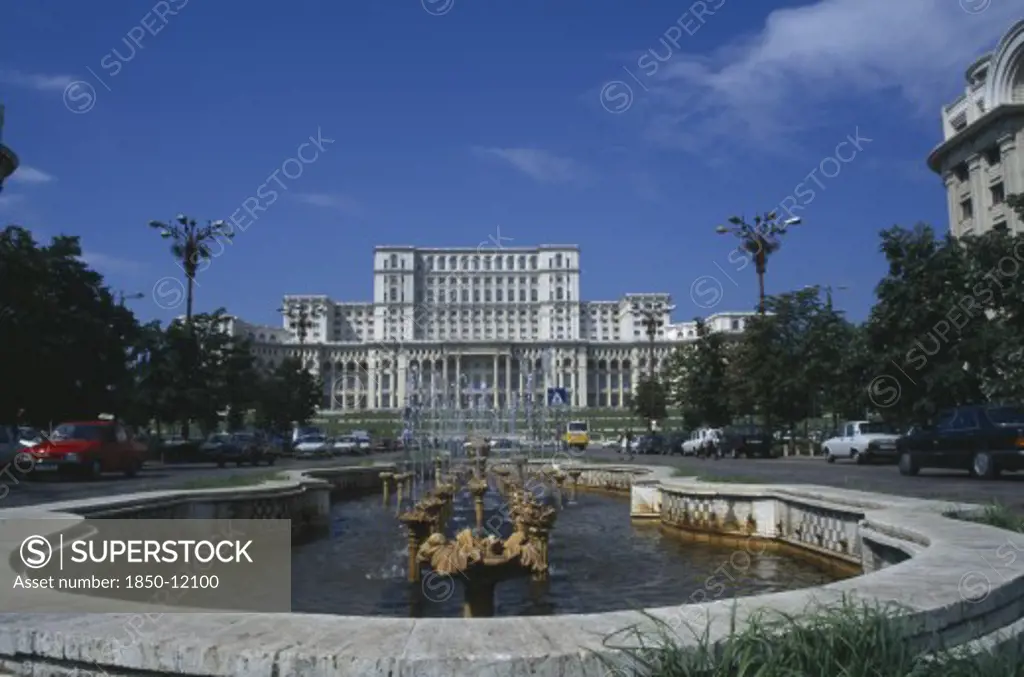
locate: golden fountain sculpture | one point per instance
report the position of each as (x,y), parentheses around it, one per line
(484,561)
(574,473)
(558,477)
(387,478)
(421,520)
(478,487)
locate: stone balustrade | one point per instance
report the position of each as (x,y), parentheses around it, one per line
(961,583)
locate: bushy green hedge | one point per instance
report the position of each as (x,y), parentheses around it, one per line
(849,640)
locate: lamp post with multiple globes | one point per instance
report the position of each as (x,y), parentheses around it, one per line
(759,240)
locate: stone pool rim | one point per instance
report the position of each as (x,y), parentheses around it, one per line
(931,584)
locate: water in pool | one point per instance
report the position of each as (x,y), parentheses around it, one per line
(600,560)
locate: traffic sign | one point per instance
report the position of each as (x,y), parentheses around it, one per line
(558,397)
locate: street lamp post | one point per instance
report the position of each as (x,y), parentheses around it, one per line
(303,318)
(759,240)
(191,245)
(122,297)
(8,158)
(652,318)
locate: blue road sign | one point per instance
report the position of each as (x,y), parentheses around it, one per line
(558,397)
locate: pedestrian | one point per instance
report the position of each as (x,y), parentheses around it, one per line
(629,443)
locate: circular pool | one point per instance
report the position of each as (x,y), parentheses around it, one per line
(600,560)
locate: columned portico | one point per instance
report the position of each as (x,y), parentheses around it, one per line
(472,376)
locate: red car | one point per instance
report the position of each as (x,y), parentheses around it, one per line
(88,448)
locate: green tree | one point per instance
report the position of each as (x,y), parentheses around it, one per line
(697,375)
(289,394)
(779,356)
(650,401)
(240,381)
(928,334)
(191,246)
(66,343)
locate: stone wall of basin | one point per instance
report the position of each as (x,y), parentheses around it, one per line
(961,584)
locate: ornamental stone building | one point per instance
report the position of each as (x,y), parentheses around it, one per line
(981,160)
(473,327)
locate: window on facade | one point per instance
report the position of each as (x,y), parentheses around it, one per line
(394,294)
(440,264)
(522,295)
(497,295)
(394,260)
(465,263)
(533,263)
(465,296)
(960,172)
(533,294)
(497,263)
(966,210)
(992,156)
(998,193)
(558,261)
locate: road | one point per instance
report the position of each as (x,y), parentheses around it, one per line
(15,491)
(933,484)
(879,478)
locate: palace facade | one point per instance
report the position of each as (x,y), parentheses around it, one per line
(476,327)
(981,160)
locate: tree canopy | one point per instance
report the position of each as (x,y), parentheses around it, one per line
(70,351)
(947,328)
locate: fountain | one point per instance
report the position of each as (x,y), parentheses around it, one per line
(387,478)
(574,473)
(484,561)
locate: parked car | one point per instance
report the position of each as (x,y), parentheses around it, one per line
(345,445)
(28,437)
(311,446)
(701,440)
(88,448)
(253,448)
(863,442)
(984,440)
(674,442)
(653,443)
(219,448)
(746,441)
(363,441)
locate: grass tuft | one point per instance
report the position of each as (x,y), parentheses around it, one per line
(848,640)
(995,515)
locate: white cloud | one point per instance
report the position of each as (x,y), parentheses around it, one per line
(538,164)
(768,84)
(8,200)
(36,81)
(107,264)
(30,175)
(336,201)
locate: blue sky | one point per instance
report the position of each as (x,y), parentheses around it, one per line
(440,121)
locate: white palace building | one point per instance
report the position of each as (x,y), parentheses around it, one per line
(981,158)
(465,327)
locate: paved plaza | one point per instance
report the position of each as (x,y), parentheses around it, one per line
(934,485)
